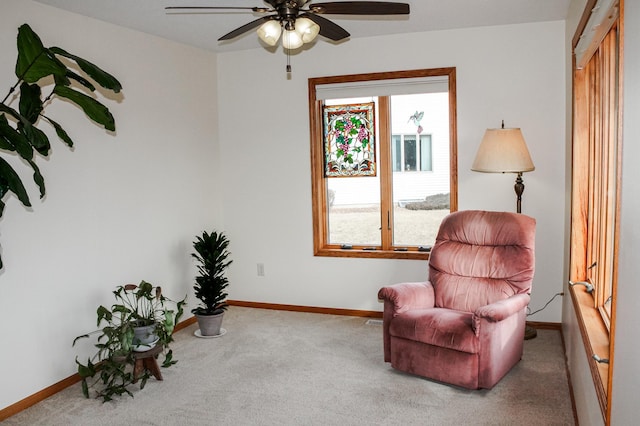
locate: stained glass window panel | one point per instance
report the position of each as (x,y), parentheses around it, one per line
(349,140)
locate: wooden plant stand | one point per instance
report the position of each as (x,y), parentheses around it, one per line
(147,360)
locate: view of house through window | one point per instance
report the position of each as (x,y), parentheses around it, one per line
(409,154)
(398,209)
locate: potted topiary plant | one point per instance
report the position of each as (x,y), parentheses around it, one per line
(138,322)
(212,256)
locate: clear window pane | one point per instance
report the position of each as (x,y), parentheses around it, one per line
(410,153)
(426,164)
(396,148)
(354,211)
(416,227)
(421,199)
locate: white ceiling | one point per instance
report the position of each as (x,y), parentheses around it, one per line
(203,29)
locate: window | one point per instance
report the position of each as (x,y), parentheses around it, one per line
(408,155)
(394,211)
(596,189)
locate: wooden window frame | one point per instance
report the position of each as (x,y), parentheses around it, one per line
(596,168)
(318,180)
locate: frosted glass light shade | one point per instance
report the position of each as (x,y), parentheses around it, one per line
(269,32)
(307,29)
(291,39)
(503,150)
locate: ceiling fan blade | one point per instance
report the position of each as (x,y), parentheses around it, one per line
(327,28)
(253,9)
(246,27)
(361,8)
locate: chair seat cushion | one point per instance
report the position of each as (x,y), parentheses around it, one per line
(445,328)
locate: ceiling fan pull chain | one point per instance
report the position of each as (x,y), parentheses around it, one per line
(288,61)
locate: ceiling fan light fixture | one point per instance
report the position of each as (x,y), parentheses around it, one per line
(307,29)
(299,21)
(291,40)
(269,32)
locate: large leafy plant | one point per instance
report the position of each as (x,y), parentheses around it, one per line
(111,368)
(39,67)
(212,256)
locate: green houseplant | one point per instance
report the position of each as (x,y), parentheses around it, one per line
(212,256)
(136,306)
(38,68)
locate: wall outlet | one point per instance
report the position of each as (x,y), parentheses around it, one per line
(261,269)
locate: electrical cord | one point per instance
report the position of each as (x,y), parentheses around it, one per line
(546,304)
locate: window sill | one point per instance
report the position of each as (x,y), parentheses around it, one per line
(372,254)
(596,341)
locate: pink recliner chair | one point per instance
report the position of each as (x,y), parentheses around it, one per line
(465,325)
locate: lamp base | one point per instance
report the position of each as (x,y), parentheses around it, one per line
(519,187)
(529,332)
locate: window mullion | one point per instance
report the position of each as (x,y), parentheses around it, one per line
(385,169)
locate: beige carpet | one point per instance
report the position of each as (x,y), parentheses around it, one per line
(288,368)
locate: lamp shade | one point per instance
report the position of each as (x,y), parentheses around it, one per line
(503,150)
(307,29)
(269,32)
(291,39)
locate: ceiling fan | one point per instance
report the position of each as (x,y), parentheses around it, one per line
(301,20)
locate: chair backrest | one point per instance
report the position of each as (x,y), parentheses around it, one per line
(481,257)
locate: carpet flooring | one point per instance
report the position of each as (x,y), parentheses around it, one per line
(290,368)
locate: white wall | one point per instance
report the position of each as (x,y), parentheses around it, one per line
(119,207)
(512,73)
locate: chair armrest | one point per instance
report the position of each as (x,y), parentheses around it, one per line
(407,296)
(399,298)
(502,309)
